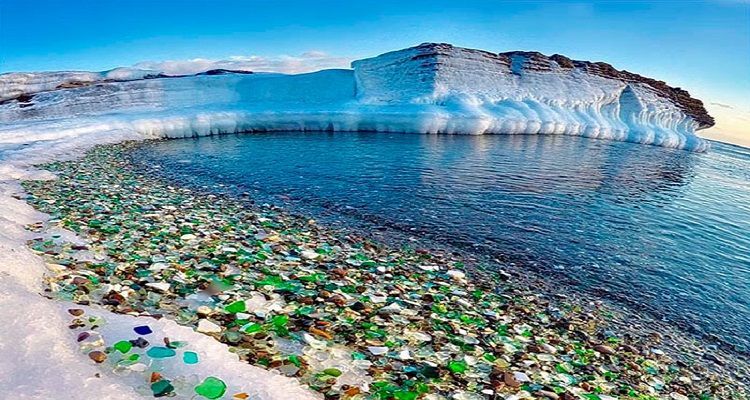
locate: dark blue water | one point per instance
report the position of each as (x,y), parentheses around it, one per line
(664,231)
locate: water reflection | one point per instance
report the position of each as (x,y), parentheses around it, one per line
(489,162)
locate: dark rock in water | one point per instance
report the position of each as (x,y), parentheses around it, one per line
(222,71)
(25,100)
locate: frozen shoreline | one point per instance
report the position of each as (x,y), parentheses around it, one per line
(61,124)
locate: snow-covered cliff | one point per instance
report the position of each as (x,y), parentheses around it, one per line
(430,88)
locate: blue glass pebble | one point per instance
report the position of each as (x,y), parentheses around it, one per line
(142,330)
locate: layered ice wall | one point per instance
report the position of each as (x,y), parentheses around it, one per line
(431,88)
(18,84)
(477,92)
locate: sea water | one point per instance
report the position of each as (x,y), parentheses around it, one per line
(660,230)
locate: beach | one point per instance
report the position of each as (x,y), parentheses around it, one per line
(338,310)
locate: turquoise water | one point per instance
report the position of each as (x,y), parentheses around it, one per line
(662,231)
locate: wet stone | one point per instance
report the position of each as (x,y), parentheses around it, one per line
(162,388)
(140,342)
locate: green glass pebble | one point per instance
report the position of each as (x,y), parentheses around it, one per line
(457,367)
(233,337)
(160,352)
(252,328)
(305,310)
(332,372)
(162,388)
(211,388)
(123,346)
(190,357)
(236,307)
(280,320)
(405,395)
(295,360)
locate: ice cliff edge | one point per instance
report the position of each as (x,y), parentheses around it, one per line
(430,88)
(528,92)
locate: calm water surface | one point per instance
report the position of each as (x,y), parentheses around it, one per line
(661,230)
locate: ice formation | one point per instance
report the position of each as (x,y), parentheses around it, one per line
(431,88)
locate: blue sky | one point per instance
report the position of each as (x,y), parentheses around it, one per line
(702,46)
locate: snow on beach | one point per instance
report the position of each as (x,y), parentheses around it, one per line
(42,357)
(56,116)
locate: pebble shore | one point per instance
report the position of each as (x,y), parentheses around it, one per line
(348,317)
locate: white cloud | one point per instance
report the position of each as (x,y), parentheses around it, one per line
(722,105)
(732,124)
(305,62)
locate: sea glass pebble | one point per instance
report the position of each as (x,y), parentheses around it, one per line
(123,346)
(142,330)
(162,388)
(160,352)
(190,357)
(236,307)
(211,388)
